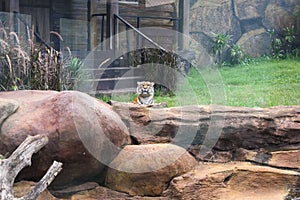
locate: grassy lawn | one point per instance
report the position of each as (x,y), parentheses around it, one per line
(262,84)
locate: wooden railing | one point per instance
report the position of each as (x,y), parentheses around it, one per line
(140,34)
(37,35)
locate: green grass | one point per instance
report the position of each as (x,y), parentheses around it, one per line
(263,84)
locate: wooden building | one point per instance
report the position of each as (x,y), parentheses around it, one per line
(86,27)
(84,24)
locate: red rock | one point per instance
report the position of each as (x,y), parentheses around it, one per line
(146,170)
(23,187)
(100,193)
(232,181)
(214,133)
(82,131)
(289,159)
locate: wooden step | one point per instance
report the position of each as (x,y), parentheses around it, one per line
(115,83)
(114,79)
(112,72)
(109,69)
(114,91)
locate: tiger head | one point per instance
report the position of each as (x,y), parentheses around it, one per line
(145,88)
(145,93)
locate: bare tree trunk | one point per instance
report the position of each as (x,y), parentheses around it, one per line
(21,157)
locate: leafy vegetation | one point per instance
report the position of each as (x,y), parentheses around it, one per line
(237,55)
(282,42)
(221,42)
(160,63)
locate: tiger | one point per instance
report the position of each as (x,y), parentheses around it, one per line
(145,93)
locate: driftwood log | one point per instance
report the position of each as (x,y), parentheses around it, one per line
(20,158)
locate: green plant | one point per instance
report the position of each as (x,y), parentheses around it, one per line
(221,41)
(236,54)
(282,42)
(104,98)
(289,39)
(155,63)
(71,73)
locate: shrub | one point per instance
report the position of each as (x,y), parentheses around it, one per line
(14,61)
(149,59)
(221,42)
(237,55)
(283,42)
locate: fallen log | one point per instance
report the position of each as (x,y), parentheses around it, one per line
(20,158)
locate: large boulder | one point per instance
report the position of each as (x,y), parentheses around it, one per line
(84,133)
(213,181)
(285,14)
(255,43)
(203,48)
(214,16)
(146,170)
(249,9)
(244,20)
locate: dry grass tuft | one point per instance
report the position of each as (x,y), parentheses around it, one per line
(27,65)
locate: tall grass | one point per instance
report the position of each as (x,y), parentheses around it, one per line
(25,64)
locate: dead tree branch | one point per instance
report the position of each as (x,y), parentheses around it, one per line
(20,158)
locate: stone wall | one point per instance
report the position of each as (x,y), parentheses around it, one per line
(246,20)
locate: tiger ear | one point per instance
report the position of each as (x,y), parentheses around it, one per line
(152,84)
(139,83)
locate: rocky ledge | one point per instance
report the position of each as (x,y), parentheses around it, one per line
(125,151)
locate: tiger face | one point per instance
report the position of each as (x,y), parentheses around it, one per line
(145,91)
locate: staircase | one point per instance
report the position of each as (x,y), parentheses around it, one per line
(106,77)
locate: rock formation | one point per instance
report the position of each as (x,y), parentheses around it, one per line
(233,181)
(77,125)
(21,188)
(241,153)
(229,129)
(248,21)
(146,170)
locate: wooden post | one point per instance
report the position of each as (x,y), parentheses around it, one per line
(112,9)
(93,24)
(14,6)
(2,5)
(184,25)
(6,5)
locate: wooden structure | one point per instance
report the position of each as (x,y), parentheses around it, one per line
(83,24)
(86,24)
